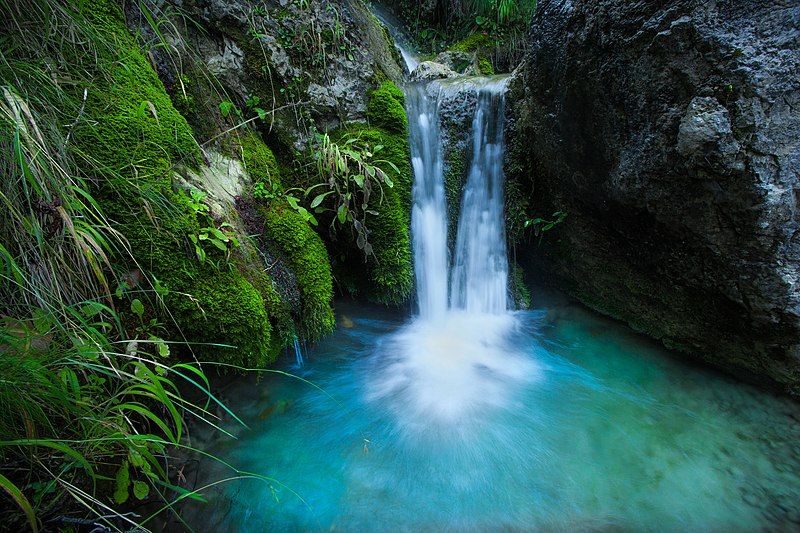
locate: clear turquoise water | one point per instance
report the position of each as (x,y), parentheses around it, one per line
(572,422)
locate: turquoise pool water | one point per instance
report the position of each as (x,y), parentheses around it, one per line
(550,419)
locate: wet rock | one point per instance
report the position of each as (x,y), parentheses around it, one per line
(460,62)
(430,70)
(670,135)
(311,62)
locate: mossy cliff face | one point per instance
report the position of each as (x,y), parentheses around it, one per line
(339,81)
(292,242)
(386,276)
(675,158)
(310,64)
(135,131)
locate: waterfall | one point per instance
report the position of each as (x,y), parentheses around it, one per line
(480,270)
(298,353)
(456,362)
(429,212)
(479,277)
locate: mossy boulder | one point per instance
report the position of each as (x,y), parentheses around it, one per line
(385,108)
(305,254)
(481,46)
(226,309)
(258,159)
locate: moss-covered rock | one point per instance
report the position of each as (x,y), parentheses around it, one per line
(387,276)
(306,255)
(258,159)
(134,126)
(456,165)
(481,46)
(226,309)
(485,66)
(474,42)
(385,108)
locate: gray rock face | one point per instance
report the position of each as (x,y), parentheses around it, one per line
(670,133)
(312,62)
(430,70)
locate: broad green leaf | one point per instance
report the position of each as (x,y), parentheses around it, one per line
(137,308)
(141,490)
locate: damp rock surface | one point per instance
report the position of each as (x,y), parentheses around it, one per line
(670,134)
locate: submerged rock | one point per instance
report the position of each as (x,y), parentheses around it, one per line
(670,135)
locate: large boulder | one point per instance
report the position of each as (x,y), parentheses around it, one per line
(670,134)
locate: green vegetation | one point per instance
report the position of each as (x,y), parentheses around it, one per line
(385,108)
(110,277)
(306,256)
(494,30)
(384,226)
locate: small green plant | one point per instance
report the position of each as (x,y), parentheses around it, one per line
(269,192)
(541,225)
(221,236)
(252,104)
(351,171)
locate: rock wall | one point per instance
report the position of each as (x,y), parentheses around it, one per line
(670,133)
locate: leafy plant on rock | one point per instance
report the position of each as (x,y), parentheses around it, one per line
(221,236)
(351,171)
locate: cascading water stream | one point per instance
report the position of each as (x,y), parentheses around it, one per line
(480,269)
(429,212)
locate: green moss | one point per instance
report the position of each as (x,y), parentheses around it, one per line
(481,45)
(280,316)
(226,309)
(388,277)
(385,108)
(485,66)
(307,257)
(472,43)
(183,99)
(519,290)
(134,126)
(259,161)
